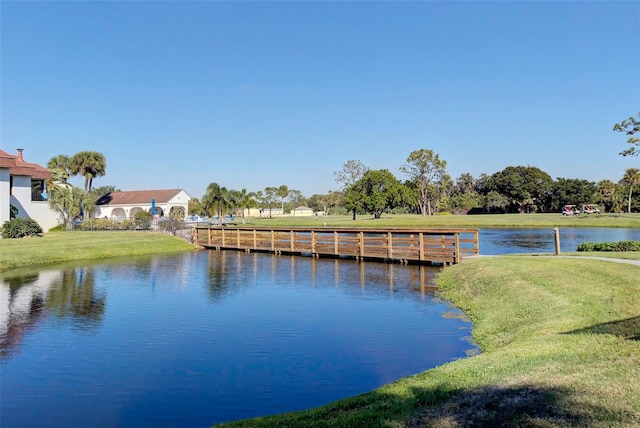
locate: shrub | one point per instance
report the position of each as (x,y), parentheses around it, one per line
(610,246)
(21,227)
(142,220)
(58,228)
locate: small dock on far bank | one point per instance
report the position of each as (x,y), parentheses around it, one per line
(425,246)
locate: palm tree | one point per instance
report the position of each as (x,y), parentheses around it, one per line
(606,189)
(67,200)
(246,200)
(88,164)
(283,192)
(216,200)
(59,168)
(631,177)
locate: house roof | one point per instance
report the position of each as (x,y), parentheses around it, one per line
(17,166)
(138,197)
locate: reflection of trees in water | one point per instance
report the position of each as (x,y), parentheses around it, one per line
(30,297)
(217,280)
(75,297)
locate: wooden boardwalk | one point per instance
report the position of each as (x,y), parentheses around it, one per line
(428,246)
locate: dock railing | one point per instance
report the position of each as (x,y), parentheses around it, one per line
(430,246)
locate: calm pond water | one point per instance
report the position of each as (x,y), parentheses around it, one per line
(194,339)
(506,241)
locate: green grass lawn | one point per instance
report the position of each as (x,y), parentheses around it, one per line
(560,342)
(475,221)
(68,246)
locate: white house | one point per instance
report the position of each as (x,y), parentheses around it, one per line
(121,205)
(302,212)
(24,185)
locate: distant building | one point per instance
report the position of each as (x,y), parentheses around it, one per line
(125,205)
(24,185)
(302,212)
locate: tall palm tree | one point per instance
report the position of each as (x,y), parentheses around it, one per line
(59,168)
(246,200)
(631,177)
(283,192)
(88,164)
(216,200)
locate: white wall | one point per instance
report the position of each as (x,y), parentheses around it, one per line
(39,211)
(5,213)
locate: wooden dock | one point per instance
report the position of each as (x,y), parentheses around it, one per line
(428,246)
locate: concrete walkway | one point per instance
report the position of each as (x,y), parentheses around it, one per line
(552,256)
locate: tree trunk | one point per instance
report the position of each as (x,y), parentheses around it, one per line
(630,192)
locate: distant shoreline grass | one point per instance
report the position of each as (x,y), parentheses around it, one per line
(560,340)
(475,221)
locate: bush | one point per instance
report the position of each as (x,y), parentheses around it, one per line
(142,220)
(610,246)
(58,228)
(21,227)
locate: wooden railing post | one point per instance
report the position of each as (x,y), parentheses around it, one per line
(456,256)
(335,242)
(421,246)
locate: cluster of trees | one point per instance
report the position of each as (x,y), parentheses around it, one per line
(428,189)
(72,202)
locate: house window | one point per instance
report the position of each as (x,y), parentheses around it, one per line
(38,190)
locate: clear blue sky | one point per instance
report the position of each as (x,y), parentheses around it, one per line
(256,94)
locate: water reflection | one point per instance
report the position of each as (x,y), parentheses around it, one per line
(210,336)
(66,295)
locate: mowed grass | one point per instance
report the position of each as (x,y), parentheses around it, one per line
(78,245)
(560,342)
(474,221)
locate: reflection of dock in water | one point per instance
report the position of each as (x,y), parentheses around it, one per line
(424,246)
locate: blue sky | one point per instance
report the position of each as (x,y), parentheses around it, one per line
(257,94)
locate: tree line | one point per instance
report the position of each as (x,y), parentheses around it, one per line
(426,190)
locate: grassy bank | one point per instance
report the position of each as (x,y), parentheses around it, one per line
(561,347)
(486,220)
(69,246)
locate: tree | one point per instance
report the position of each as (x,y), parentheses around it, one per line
(67,200)
(630,127)
(194,207)
(246,200)
(296,198)
(522,185)
(324,202)
(103,190)
(572,191)
(88,164)
(377,191)
(351,172)
(216,200)
(631,177)
(282,192)
(59,168)
(424,167)
(269,197)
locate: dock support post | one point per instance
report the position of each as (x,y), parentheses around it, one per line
(556,239)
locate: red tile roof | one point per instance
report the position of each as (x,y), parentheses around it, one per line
(142,197)
(18,166)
